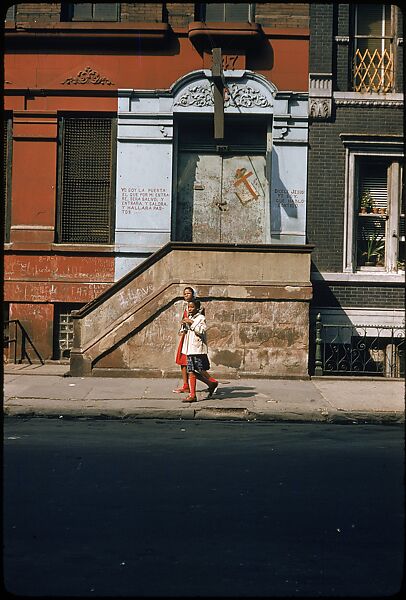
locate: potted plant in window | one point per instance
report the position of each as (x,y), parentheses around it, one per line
(374,251)
(366,202)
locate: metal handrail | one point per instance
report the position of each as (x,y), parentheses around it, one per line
(7,341)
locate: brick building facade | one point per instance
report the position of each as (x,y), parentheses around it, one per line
(356,148)
(109,133)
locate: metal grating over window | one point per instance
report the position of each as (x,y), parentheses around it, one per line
(86,187)
(63,329)
(6,178)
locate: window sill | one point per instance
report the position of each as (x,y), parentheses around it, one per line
(371,275)
(83,248)
(75,248)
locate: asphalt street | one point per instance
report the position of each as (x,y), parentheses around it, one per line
(202,508)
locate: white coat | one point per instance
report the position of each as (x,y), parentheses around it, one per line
(195,338)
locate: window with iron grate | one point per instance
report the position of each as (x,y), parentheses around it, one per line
(7,146)
(63,329)
(86,181)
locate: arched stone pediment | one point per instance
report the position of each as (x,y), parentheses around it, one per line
(246,92)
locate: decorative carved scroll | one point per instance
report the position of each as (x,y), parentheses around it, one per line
(88,75)
(246,96)
(234,95)
(197,95)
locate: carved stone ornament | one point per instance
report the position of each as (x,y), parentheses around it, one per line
(320,95)
(319,108)
(198,95)
(245,96)
(88,75)
(234,95)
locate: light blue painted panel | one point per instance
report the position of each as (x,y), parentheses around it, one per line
(144,187)
(288,191)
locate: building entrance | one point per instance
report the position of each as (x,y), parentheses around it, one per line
(223,191)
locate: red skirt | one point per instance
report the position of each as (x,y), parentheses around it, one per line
(181,359)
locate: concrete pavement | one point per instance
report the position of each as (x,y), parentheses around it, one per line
(44,390)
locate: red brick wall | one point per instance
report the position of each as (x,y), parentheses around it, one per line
(38,321)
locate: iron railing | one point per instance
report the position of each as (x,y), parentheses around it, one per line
(347,349)
(19,339)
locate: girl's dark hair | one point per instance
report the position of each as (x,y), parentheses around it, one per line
(195,302)
(189,288)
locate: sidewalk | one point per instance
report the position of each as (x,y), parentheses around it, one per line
(35,390)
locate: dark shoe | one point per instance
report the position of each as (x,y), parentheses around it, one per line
(190,399)
(212,389)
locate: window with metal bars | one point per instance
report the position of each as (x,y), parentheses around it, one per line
(226,12)
(63,329)
(7,147)
(88,11)
(372,48)
(86,180)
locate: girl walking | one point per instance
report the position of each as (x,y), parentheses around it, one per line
(195,348)
(188,294)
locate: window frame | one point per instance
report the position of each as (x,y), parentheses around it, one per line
(60,172)
(383,38)
(394,189)
(200,12)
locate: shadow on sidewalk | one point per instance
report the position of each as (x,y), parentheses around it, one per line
(235,392)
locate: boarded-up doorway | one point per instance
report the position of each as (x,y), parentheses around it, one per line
(222,191)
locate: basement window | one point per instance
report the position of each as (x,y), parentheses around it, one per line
(63,329)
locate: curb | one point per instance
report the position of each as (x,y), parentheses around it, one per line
(206,413)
